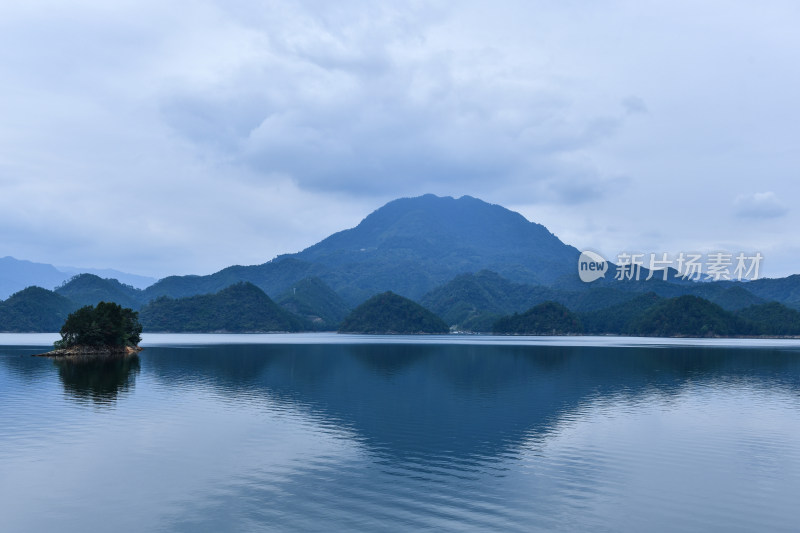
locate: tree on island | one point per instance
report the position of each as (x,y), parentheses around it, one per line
(106,325)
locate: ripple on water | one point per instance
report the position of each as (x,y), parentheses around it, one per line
(302,438)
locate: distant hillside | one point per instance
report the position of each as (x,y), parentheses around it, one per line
(468,261)
(133,280)
(34,310)
(313,300)
(88,289)
(729,295)
(692,316)
(548,318)
(689,316)
(392,314)
(784,290)
(474,301)
(617,319)
(274,278)
(17,274)
(239,308)
(414,246)
(470,297)
(409,246)
(772,318)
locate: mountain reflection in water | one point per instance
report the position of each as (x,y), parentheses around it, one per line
(261,437)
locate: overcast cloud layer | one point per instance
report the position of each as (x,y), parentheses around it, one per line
(182,137)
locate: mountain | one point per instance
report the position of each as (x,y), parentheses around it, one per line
(240,308)
(548,318)
(17,274)
(34,310)
(469,297)
(389,313)
(468,261)
(313,300)
(784,290)
(411,245)
(473,302)
(736,298)
(88,289)
(772,318)
(688,316)
(274,278)
(408,246)
(729,295)
(134,280)
(617,319)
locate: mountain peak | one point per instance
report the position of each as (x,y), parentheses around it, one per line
(427,240)
(408,246)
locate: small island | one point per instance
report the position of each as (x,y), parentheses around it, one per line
(105,329)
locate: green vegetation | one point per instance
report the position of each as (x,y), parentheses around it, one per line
(471,263)
(692,316)
(389,313)
(467,261)
(480,323)
(476,298)
(784,290)
(688,316)
(731,299)
(240,308)
(88,289)
(772,319)
(409,246)
(617,319)
(34,310)
(274,277)
(548,318)
(107,324)
(313,300)
(473,302)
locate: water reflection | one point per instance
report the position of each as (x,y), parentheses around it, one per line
(98,379)
(399,437)
(467,400)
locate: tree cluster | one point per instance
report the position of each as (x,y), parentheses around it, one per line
(548,318)
(107,324)
(391,313)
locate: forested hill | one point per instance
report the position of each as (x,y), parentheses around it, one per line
(240,308)
(408,246)
(389,313)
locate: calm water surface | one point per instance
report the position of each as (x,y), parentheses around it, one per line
(325,432)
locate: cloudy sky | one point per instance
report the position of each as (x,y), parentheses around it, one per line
(181,137)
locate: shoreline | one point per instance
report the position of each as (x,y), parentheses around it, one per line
(84,351)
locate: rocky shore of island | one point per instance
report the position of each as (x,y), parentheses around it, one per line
(82,350)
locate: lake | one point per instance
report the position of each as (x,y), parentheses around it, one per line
(331,432)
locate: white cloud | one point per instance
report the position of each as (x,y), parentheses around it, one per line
(182,137)
(759,205)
